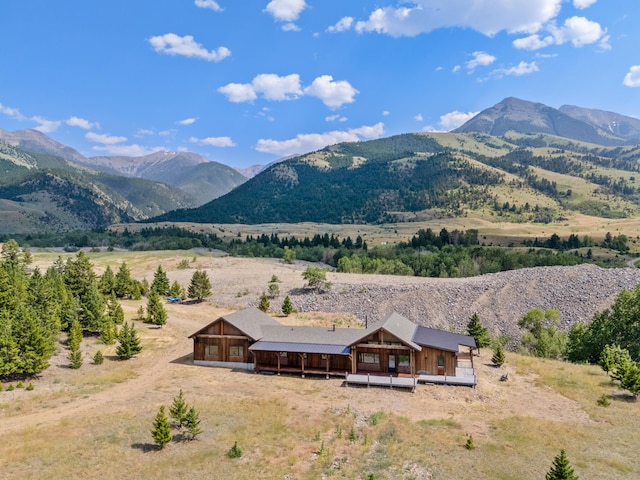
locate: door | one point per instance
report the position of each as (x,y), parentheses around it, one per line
(392,363)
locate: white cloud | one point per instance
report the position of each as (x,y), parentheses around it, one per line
(126,150)
(456,68)
(275,87)
(523,68)
(167,133)
(187,121)
(82,123)
(335,118)
(104,139)
(12,112)
(333,94)
(418,117)
(142,132)
(632,78)
(577,30)
(480,59)
(486,16)
(344,24)
(385,113)
(213,141)
(210,4)
(582,4)
(239,92)
(172,44)
(290,27)
(44,125)
(285,10)
(452,120)
(309,142)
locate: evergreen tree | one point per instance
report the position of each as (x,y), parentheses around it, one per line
(114,310)
(92,310)
(191,422)
(161,431)
(478,332)
(264,303)
(200,286)
(287,307)
(498,357)
(160,283)
(561,469)
(156,313)
(140,315)
(129,342)
(109,333)
(177,290)
(75,358)
(274,290)
(178,409)
(124,284)
(75,336)
(107,284)
(98,358)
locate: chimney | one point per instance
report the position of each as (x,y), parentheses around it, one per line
(334,327)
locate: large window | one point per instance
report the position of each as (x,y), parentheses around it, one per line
(367,357)
(403,361)
(236,351)
(211,350)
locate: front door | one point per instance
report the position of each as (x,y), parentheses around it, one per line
(392,363)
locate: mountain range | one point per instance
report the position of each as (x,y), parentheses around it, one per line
(517,161)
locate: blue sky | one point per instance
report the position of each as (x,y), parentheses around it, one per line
(248,82)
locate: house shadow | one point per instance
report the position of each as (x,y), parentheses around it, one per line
(623,397)
(145,447)
(184,360)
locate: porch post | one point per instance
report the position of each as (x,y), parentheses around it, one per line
(354,354)
(328,360)
(302,355)
(278,355)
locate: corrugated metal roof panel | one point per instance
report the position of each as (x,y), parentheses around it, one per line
(296,347)
(431,337)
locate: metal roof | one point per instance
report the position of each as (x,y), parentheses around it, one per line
(250,321)
(431,337)
(311,335)
(266,346)
(399,326)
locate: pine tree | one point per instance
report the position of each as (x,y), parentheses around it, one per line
(141,315)
(161,431)
(264,303)
(176,290)
(114,310)
(200,286)
(75,336)
(191,422)
(98,358)
(109,333)
(178,410)
(107,284)
(124,283)
(129,342)
(235,451)
(561,469)
(75,359)
(478,332)
(160,283)
(287,307)
(498,357)
(156,313)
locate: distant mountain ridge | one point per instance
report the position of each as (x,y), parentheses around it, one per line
(521,116)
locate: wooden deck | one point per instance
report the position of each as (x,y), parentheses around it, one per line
(382,381)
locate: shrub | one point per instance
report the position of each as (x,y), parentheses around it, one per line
(20,384)
(10,388)
(30,386)
(469,444)
(235,451)
(98,358)
(604,401)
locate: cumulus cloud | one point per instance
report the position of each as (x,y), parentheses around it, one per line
(333,94)
(210,4)
(273,87)
(213,141)
(104,139)
(172,44)
(632,78)
(12,112)
(335,118)
(126,150)
(578,30)
(343,25)
(44,125)
(486,17)
(285,10)
(310,142)
(82,123)
(187,121)
(480,59)
(582,4)
(418,117)
(523,68)
(456,68)
(452,120)
(290,27)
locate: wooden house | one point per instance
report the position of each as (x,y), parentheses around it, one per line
(394,346)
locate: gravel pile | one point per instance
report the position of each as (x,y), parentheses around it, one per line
(500,298)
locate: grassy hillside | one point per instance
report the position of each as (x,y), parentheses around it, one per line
(400,177)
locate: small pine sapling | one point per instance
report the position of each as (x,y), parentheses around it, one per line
(29,387)
(191,422)
(235,451)
(264,304)
(98,358)
(287,307)
(75,359)
(469,443)
(498,357)
(161,431)
(178,410)
(561,469)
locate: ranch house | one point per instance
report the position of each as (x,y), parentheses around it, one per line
(394,350)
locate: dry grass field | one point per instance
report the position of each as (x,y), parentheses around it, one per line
(95,422)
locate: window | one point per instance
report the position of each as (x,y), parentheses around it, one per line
(211,350)
(366,357)
(403,360)
(236,351)
(441,361)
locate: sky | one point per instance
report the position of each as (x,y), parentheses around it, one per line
(248,82)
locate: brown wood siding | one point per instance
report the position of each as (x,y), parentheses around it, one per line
(427,361)
(221,327)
